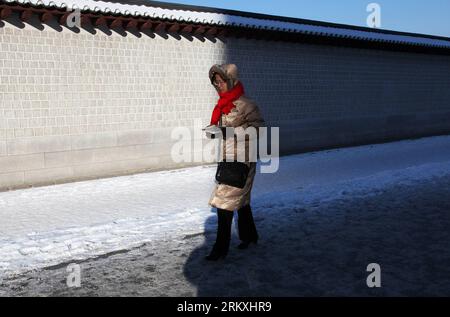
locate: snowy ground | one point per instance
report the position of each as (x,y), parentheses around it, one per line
(322,218)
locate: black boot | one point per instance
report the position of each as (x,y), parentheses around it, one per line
(220,248)
(247,228)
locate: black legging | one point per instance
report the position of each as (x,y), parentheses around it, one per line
(246,225)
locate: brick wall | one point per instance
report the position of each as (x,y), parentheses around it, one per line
(77,106)
(325,96)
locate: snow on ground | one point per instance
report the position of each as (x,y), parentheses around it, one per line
(47,226)
(318,247)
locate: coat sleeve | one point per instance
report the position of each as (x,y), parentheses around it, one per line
(248,115)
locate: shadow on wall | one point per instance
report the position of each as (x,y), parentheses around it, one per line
(88,26)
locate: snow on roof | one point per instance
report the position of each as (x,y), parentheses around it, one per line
(149,9)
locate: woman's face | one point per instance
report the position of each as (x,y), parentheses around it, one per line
(220,83)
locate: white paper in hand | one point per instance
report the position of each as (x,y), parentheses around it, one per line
(212,131)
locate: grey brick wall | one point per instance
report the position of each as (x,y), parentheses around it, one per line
(78,106)
(324,96)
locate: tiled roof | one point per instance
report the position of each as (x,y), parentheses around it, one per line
(219,17)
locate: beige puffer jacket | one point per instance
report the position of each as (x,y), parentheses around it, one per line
(245,114)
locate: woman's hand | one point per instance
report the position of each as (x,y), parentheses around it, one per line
(209,127)
(212,131)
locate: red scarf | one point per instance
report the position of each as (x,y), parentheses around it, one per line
(225,102)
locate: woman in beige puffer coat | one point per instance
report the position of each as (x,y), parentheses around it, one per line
(239,113)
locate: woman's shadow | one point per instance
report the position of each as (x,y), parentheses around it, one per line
(325,250)
(255,271)
(226,277)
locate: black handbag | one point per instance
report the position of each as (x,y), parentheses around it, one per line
(232,173)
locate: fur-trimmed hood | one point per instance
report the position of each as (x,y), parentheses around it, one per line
(228,72)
